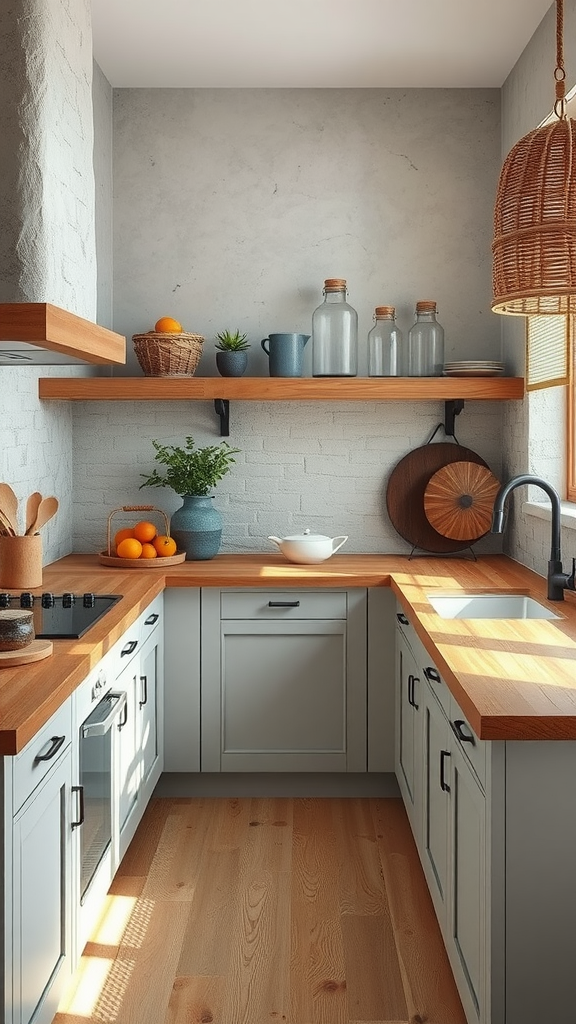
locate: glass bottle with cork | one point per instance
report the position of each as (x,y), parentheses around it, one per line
(335,333)
(385,344)
(426,342)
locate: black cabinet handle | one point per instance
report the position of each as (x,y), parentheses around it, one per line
(411,690)
(432,674)
(55,744)
(124,717)
(464,737)
(144,681)
(443,784)
(283,604)
(402,618)
(80,791)
(130,648)
(151,619)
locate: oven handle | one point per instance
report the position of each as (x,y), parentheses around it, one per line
(117,702)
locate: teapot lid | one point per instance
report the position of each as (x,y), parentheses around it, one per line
(307,536)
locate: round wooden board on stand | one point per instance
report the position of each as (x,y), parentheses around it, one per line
(405,493)
(36,650)
(458,500)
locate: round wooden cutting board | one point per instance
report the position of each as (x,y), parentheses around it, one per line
(458,500)
(405,494)
(34,651)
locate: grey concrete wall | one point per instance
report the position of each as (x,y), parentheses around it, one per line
(232,206)
(230,209)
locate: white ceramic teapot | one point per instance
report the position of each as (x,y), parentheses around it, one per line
(307,547)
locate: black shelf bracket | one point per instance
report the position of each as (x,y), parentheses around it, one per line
(452,408)
(222,407)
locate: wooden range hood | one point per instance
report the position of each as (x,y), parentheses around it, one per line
(37,332)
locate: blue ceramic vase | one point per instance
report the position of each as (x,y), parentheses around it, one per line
(197,527)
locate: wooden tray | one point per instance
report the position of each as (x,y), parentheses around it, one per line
(141,563)
(459,500)
(405,494)
(34,651)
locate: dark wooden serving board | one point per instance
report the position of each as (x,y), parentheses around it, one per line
(405,494)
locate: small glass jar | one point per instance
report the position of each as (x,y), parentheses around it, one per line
(335,333)
(426,342)
(384,344)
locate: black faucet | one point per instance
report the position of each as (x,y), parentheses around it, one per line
(558,581)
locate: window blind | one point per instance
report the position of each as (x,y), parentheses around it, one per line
(548,345)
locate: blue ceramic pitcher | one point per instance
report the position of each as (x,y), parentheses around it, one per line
(285,352)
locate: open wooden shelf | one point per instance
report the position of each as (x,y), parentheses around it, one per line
(280,389)
(49,327)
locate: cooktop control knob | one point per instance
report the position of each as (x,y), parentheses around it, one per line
(89,600)
(4,600)
(68,599)
(26,599)
(47,600)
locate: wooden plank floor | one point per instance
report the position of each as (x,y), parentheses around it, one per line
(258,911)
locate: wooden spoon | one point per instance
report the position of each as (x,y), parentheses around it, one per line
(32,506)
(47,508)
(9,507)
(6,528)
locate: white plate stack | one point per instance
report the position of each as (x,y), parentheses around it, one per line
(474,368)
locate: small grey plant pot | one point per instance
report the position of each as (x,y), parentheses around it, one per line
(231,364)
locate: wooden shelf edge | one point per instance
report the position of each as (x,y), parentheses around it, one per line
(50,327)
(271,389)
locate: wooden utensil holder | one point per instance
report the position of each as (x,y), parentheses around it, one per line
(21,562)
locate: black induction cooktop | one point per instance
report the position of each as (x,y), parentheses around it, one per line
(61,616)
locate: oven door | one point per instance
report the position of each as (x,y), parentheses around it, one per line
(97,812)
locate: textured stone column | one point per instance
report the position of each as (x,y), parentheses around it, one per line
(47,229)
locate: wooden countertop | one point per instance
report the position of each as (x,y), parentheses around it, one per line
(514,679)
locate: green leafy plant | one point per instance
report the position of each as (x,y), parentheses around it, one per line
(232,341)
(190,470)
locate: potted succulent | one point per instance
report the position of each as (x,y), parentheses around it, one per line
(231,357)
(192,472)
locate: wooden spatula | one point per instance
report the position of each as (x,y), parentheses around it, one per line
(9,507)
(32,506)
(47,508)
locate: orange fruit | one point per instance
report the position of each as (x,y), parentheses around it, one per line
(165,546)
(129,548)
(167,325)
(144,531)
(121,535)
(148,551)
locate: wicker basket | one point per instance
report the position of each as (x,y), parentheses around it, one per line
(168,355)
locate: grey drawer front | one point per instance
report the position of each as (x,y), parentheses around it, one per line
(41,753)
(283,604)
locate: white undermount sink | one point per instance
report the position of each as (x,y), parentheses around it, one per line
(488,606)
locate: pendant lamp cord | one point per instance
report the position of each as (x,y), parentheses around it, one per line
(560,73)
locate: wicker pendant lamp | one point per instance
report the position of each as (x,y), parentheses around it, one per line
(534,247)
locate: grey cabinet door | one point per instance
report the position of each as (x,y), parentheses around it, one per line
(467,933)
(282,694)
(437,803)
(41,937)
(408,731)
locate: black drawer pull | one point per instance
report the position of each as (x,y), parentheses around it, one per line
(80,791)
(55,744)
(283,604)
(464,737)
(151,619)
(411,697)
(130,648)
(443,784)
(402,618)
(432,674)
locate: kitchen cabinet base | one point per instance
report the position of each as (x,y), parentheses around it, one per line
(288,784)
